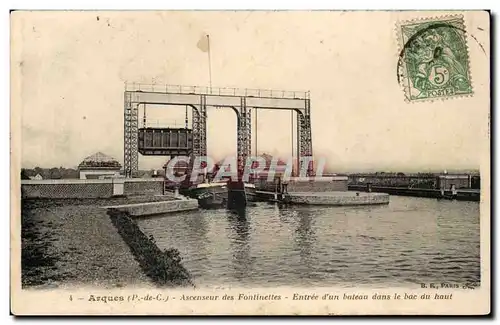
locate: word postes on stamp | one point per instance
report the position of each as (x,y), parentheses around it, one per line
(434,60)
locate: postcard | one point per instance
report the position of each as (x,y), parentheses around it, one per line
(250,163)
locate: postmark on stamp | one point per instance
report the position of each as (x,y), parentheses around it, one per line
(434,60)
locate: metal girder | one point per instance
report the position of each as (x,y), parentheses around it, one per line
(130,150)
(248,123)
(196,131)
(203,125)
(244,133)
(126,134)
(304,137)
(200,127)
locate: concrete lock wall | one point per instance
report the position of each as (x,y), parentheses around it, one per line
(320,184)
(328,184)
(89,188)
(341,200)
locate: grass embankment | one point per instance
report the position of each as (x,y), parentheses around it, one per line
(164,268)
(74,242)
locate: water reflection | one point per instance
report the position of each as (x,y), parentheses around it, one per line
(239,236)
(409,241)
(197,229)
(302,222)
(305,237)
(190,237)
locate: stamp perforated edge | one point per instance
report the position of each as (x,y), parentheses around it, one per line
(401,64)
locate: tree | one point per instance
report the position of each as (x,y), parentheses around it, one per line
(54,173)
(24,174)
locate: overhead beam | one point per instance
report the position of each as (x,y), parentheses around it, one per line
(143,97)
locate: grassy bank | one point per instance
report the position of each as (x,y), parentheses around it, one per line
(74,242)
(164,268)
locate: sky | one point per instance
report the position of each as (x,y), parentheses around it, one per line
(73,66)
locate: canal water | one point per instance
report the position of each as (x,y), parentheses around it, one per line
(408,242)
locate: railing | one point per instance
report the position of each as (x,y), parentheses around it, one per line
(163,123)
(219,91)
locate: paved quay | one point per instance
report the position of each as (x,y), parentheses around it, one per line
(73,242)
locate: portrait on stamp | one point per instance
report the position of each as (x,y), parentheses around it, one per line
(434,61)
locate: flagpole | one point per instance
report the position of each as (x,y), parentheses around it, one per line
(291,118)
(256,110)
(209,64)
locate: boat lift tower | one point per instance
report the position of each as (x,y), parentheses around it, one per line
(193,141)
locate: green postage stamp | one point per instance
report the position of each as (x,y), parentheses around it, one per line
(434,60)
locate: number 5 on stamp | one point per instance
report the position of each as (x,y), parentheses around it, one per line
(434,60)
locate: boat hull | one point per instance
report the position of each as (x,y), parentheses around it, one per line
(216,195)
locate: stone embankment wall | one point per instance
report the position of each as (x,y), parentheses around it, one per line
(89,188)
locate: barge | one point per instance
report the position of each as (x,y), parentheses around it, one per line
(215,195)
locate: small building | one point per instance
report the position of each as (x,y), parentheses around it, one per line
(37,177)
(446,181)
(99,166)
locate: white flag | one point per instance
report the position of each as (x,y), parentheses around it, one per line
(203,43)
